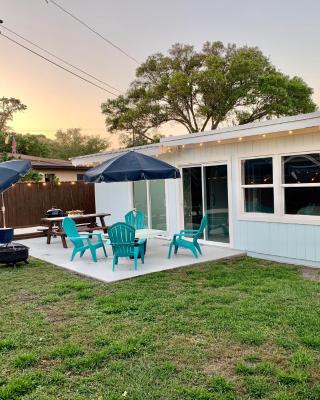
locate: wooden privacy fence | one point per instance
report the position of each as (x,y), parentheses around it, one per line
(27,203)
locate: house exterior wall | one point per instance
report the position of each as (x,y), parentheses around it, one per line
(113,198)
(295,239)
(64,176)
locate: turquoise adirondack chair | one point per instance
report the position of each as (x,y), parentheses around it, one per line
(122,241)
(135,218)
(82,241)
(179,241)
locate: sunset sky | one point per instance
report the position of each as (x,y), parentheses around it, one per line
(287,31)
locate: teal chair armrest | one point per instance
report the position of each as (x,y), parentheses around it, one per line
(90,234)
(183,235)
(123,244)
(78,237)
(141,241)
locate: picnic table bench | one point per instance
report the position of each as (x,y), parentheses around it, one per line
(85,223)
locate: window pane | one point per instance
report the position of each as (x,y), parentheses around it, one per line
(192,197)
(158,204)
(257,171)
(140,198)
(259,200)
(303,168)
(216,189)
(302,200)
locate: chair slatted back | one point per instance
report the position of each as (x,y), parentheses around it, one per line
(70,228)
(203,224)
(135,219)
(122,237)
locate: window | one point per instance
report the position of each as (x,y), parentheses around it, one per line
(80,177)
(49,177)
(301,184)
(257,185)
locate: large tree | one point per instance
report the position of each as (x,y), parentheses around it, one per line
(9,106)
(29,144)
(66,144)
(202,90)
(72,143)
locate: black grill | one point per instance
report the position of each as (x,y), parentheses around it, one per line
(54,212)
(13,254)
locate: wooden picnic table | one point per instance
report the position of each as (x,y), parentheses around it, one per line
(85,222)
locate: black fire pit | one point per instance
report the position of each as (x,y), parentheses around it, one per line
(13,254)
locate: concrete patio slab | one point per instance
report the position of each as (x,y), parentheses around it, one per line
(155,260)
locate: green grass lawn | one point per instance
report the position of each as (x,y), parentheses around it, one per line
(241,329)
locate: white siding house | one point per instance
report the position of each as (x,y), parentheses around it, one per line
(259,184)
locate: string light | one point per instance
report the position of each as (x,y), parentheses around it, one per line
(290,132)
(73,183)
(263,135)
(240,138)
(219,141)
(29,184)
(44,183)
(201,144)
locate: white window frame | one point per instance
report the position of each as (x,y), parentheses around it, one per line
(278,194)
(307,218)
(256,186)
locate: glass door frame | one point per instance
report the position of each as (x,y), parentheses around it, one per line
(229,183)
(149,209)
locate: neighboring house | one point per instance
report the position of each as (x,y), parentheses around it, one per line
(259,184)
(52,168)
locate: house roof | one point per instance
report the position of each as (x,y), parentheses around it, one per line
(39,163)
(296,122)
(149,149)
(249,131)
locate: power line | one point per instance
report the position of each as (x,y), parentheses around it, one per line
(60,59)
(56,64)
(93,31)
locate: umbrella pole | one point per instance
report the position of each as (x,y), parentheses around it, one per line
(3,209)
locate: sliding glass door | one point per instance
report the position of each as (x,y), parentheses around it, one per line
(216,202)
(140,198)
(150,198)
(158,204)
(192,197)
(205,190)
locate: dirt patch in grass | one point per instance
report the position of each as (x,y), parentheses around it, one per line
(313,274)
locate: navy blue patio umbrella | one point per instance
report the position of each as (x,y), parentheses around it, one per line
(131,166)
(10,173)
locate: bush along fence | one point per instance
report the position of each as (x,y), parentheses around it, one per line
(26,203)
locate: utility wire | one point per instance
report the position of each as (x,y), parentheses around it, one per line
(93,30)
(60,59)
(56,64)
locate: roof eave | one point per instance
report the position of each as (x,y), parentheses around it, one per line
(149,149)
(248,130)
